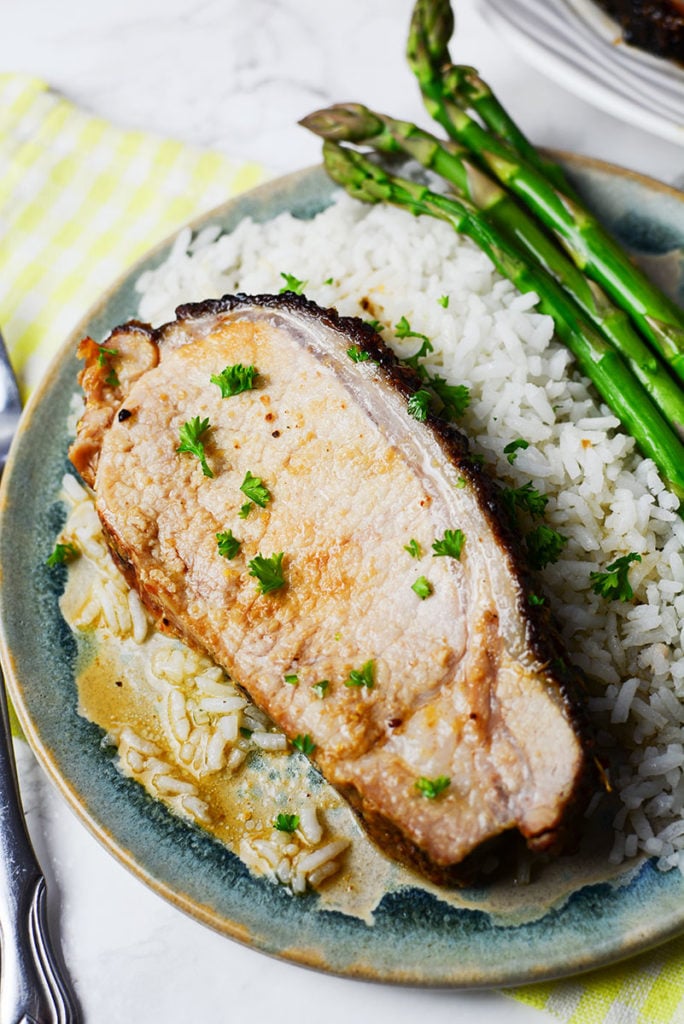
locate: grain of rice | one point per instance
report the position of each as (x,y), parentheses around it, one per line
(272,741)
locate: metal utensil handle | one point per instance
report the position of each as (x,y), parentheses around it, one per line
(32,990)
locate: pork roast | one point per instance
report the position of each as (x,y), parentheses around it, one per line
(458,682)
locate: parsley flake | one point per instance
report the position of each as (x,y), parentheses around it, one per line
(304,744)
(61,553)
(191,434)
(422,587)
(376,325)
(244,731)
(228,545)
(413,548)
(363,676)
(535,601)
(450,546)
(328,280)
(454,397)
(511,450)
(254,488)
(431,788)
(544,545)
(111,380)
(292,284)
(245,509)
(103,354)
(525,497)
(268,572)
(443,301)
(460,483)
(357,355)
(286,822)
(233,380)
(403,329)
(613,583)
(292,679)
(320,688)
(418,405)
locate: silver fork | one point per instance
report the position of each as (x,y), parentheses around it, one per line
(32,987)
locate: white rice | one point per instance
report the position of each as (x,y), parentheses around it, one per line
(383,264)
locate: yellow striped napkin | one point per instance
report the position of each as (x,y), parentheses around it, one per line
(80,200)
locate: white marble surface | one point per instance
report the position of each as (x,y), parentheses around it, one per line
(237,74)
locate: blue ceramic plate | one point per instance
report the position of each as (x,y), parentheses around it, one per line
(590,918)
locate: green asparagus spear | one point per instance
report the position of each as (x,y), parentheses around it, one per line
(467,82)
(595,357)
(352,122)
(593,250)
(432,27)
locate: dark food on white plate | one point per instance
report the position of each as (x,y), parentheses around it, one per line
(653,25)
(447,718)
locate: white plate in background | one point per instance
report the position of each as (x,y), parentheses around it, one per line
(578,45)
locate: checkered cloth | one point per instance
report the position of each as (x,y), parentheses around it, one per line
(80,200)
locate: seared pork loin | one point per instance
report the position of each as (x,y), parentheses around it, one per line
(445,719)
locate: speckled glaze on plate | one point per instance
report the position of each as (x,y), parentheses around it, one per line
(416,939)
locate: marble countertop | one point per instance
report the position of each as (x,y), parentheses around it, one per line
(237,76)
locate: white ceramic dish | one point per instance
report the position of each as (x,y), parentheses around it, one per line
(576,44)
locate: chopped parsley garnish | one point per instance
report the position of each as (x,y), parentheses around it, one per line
(104,353)
(321,687)
(228,545)
(454,397)
(526,498)
(475,458)
(451,544)
(245,509)
(244,731)
(328,280)
(613,583)
(286,822)
(292,679)
(233,380)
(363,676)
(535,601)
(191,434)
(357,355)
(460,483)
(443,301)
(422,587)
(268,572)
(418,405)
(403,330)
(413,548)
(431,788)
(292,284)
(511,450)
(376,325)
(61,553)
(304,744)
(254,488)
(544,545)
